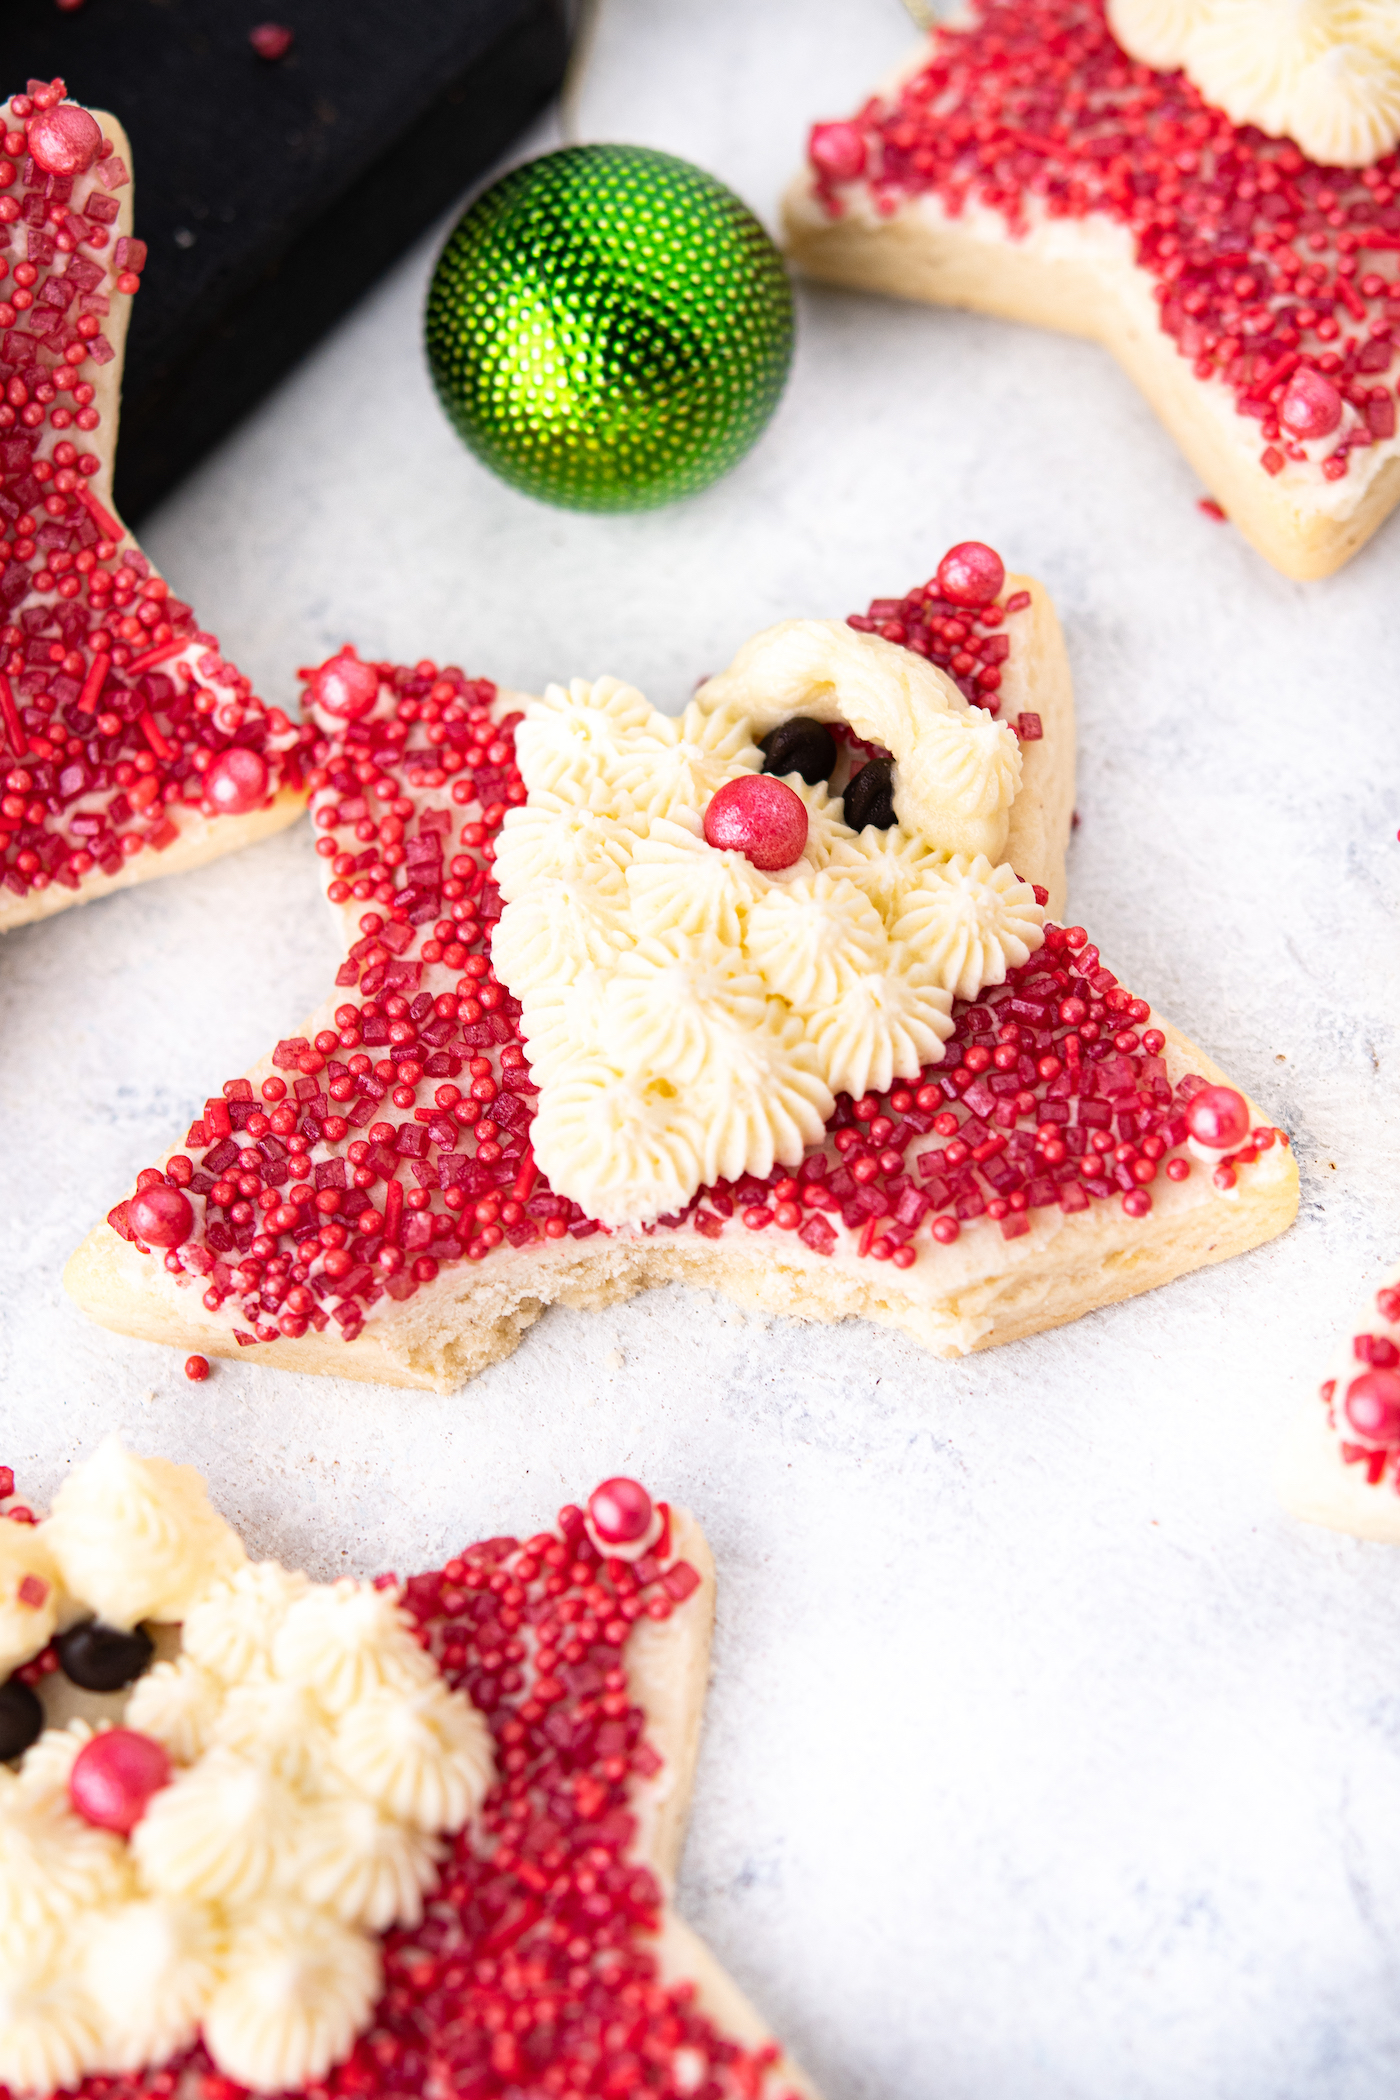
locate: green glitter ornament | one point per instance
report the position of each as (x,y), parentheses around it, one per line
(609,328)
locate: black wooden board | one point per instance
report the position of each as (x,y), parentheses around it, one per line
(271,194)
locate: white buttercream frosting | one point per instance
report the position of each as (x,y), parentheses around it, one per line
(1325,73)
(138,1538)
(217,1832)
(691,1017)
(971,922)
(149,1967)
(297,1988)
(424,1755)
(179,1703)
(50,2029)
(888,1025)
(1155,31)
(319,1760)
(957,768)
(230,1631)
(345,1639)
(30,1593)
(362,1864)
(52,1863)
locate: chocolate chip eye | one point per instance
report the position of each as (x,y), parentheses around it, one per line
(102,1658)
(21,1719)
(802,745)
(869,797)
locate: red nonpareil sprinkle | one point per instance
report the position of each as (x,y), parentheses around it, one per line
(1263,263)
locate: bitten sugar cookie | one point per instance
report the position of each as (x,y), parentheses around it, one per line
(764,997)
(1023,164)
(353,1838)
(1340,1464)
(130,747)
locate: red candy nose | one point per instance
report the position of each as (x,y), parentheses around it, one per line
(162,1217)
(760,817)
(64,141)
(114,1777)
(620,1511)
(971,573)
(345,687)
(237,781)
(1218,1117)
(1373,1406)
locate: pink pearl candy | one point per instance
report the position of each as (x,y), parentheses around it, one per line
(114,1777)
(64,141)
(237,781)
(759,817)
(1373,1406)
(1311,406)
(161,1216)
(620,1511)
(345,687)
(837,151)
(1218,1118)
(971,573)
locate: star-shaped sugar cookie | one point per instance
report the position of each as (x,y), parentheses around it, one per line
(1025,164)
(131,748)
(765,997)
(346,1838)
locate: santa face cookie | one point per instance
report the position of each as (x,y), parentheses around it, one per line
(131,748)
(347,1838)
(1340,1464)
(1209,187)
(658,1011)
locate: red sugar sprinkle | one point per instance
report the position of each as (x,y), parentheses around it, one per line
(1265,265)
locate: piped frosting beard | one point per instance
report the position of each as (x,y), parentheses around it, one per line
(1325,73)
(692,1016)
(317,1758)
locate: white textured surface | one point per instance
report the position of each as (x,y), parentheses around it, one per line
(1045,1756)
